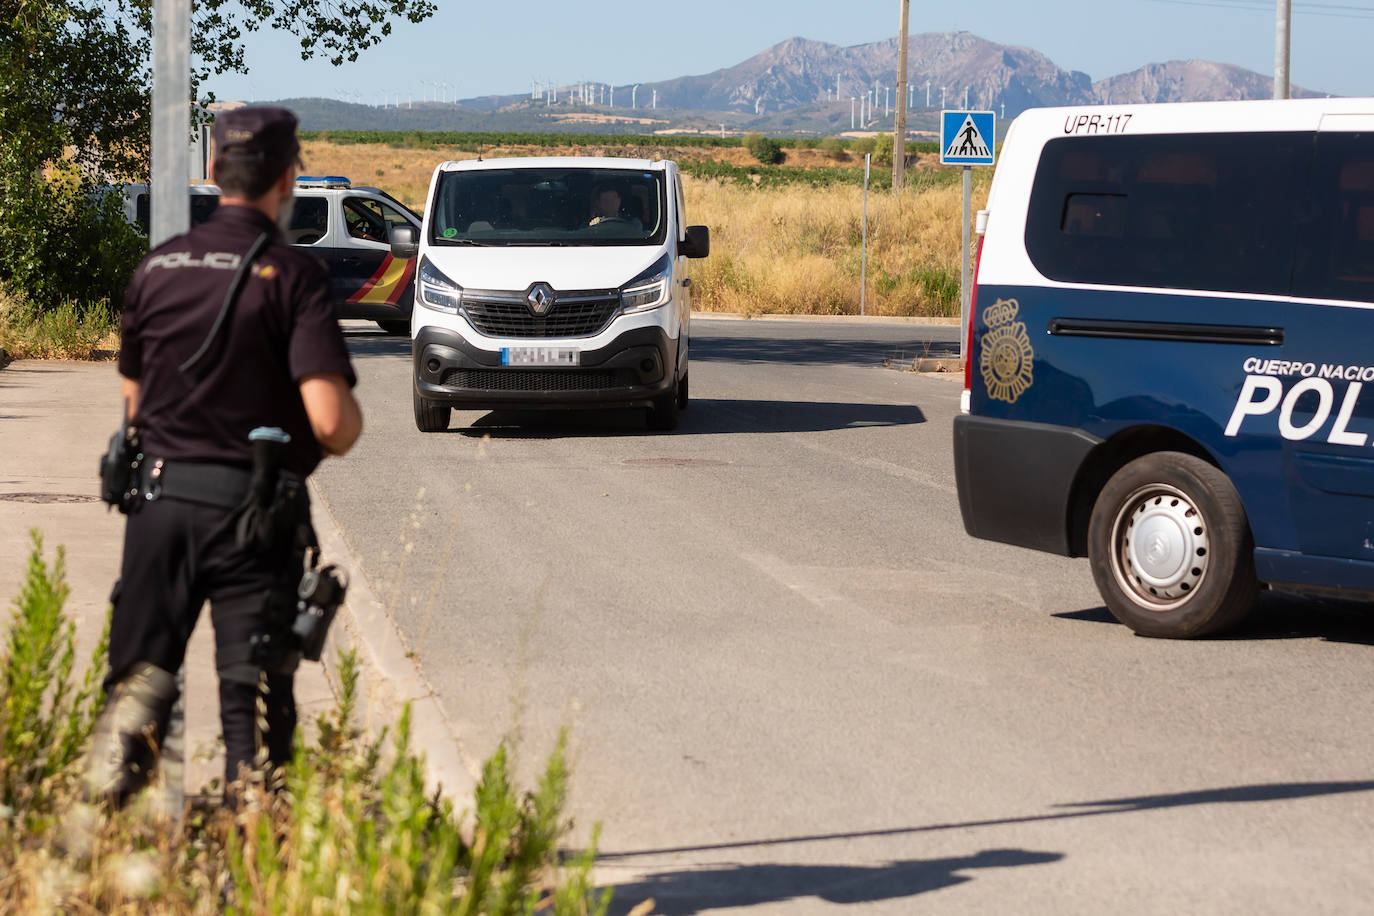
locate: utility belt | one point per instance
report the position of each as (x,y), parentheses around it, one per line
(270,512)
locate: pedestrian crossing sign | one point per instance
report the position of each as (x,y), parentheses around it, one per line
(966,137)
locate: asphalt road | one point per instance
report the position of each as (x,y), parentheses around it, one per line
(794,685)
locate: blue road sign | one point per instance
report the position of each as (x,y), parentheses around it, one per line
(966,137)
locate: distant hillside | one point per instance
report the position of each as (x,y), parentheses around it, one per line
(805,87)
(1189,81)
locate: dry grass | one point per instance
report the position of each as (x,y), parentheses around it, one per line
(70,331)
(798,249)
(785,250)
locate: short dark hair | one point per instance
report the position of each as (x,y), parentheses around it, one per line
(244,178)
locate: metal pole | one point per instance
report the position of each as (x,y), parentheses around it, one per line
(171,215)
(1283,28)
(899,131)
(963,264)
(863,257)
(171,161)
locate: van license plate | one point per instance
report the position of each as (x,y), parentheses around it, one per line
(539,356)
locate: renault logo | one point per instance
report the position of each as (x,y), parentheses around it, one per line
(540,299)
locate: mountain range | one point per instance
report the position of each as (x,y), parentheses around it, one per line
(800,86)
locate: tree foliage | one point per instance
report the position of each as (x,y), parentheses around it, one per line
(765,149)
(75,92)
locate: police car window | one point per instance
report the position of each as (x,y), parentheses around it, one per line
(365,220)
(550,206)
(203,207)
(309,221)
(1336,252)
(1177,211)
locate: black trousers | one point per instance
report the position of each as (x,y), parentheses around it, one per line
(177,555)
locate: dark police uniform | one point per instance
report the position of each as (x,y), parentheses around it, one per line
(181,544)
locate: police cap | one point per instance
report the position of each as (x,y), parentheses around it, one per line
(266,135)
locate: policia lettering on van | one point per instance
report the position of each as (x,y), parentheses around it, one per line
(1169,357)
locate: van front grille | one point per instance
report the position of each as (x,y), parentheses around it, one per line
(539,379)
(573,314)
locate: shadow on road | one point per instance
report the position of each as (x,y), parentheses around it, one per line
(708,416)
(368,342)
(689,891)
(365,342)
(1261,792)
(1279,615)
(816,351)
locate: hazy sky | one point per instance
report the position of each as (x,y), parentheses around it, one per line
(499,47)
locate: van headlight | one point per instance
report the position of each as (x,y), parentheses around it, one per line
(649,290)
(437,291)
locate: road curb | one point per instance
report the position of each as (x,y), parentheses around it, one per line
(828,319)
(389,675)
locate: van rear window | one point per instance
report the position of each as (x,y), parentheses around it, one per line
(1175,211)
(1336,251)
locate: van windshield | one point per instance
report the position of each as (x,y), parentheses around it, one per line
(549,206)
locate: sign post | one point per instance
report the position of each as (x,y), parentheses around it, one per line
(966,138)
(863,257)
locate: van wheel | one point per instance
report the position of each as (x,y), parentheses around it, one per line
(1171,549)
(395,327)
(663,415)
(430,416)
(682,393)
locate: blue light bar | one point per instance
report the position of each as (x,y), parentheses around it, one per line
(323,181)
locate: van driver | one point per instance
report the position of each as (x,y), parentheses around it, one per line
(606,208)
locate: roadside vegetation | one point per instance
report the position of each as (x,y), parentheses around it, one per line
(474,141)
(348,827)
(71,329)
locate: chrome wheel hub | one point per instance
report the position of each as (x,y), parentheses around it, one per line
(1159,547)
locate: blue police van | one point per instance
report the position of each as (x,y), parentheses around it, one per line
(1170,342)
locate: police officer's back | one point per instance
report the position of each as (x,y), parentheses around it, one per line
(226,331)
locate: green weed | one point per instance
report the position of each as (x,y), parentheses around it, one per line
(347,828)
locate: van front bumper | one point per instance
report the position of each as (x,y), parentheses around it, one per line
(1015,479)
(630,371)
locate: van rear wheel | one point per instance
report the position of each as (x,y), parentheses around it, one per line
(430,416)
(1171,548)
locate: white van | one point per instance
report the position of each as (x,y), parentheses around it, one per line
(1170,336)
(552,282)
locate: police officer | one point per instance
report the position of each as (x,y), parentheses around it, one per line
(225,330)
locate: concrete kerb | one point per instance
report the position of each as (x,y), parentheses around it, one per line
(389,676)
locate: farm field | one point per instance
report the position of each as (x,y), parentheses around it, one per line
(785,239)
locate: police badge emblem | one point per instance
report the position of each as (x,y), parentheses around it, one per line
(1006,358)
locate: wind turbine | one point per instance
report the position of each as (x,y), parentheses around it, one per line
(634,96)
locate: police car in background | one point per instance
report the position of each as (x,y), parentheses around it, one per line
(347,227)
(1171,338)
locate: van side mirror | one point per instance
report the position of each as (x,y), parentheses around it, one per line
(697,244)
(405,243)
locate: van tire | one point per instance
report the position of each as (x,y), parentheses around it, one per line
(1189,507)
(682,393)
(662,416)
(395,327)
(431,416)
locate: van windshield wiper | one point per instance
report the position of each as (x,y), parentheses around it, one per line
(465,242)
